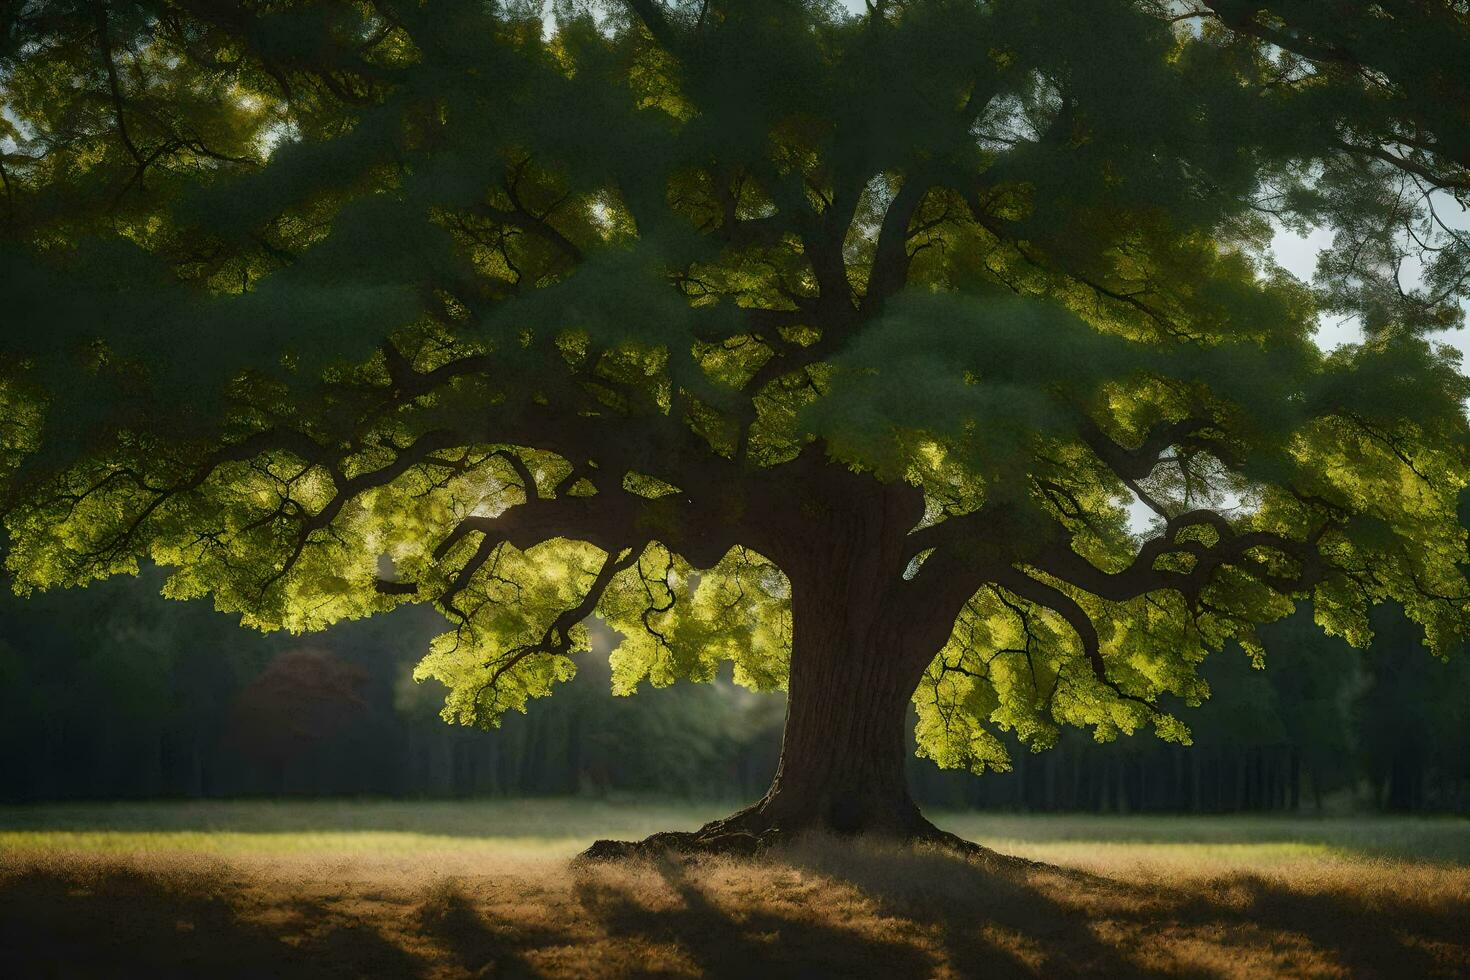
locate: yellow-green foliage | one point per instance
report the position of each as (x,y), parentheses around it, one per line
(509,610)
(332,307)
(682,623)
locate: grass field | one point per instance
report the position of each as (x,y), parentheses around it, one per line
(487,889)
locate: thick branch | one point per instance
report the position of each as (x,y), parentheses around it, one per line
(891,256)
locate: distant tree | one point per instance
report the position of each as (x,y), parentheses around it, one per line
(111,695)
(303,696)
(835,346)
(1314,678)
(1412,719)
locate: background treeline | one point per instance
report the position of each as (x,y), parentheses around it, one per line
(114,693)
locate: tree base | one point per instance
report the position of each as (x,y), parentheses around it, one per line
(751,832)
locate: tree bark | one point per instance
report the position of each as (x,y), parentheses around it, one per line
(859,650)
(854,668)
(842,754)
(841,769)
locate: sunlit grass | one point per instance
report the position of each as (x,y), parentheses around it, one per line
(1204,844)
(481,888)
(373,828)
(562,827)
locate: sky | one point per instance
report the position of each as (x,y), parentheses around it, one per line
(1298,255)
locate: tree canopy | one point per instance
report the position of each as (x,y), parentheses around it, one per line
(680,313)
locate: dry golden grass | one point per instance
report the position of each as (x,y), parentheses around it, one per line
(1132,906)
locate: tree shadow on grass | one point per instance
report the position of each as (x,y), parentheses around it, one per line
(1065,922)
(119,921)
(988,918)
(449,917)
(738,943)
(816,909)
(1369,934)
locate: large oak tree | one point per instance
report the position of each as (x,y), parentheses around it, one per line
(839,346)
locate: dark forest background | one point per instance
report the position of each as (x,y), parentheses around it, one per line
(115,693)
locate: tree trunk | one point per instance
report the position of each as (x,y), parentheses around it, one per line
(841,769)
(842,755)
(859,649)
(843,748)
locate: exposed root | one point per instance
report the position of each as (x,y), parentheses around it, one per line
(741,835)
(734,843)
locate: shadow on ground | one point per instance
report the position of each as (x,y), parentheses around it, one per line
(1393,921)
(119,921)
(820,909)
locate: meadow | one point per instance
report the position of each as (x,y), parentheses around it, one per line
(480,888)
